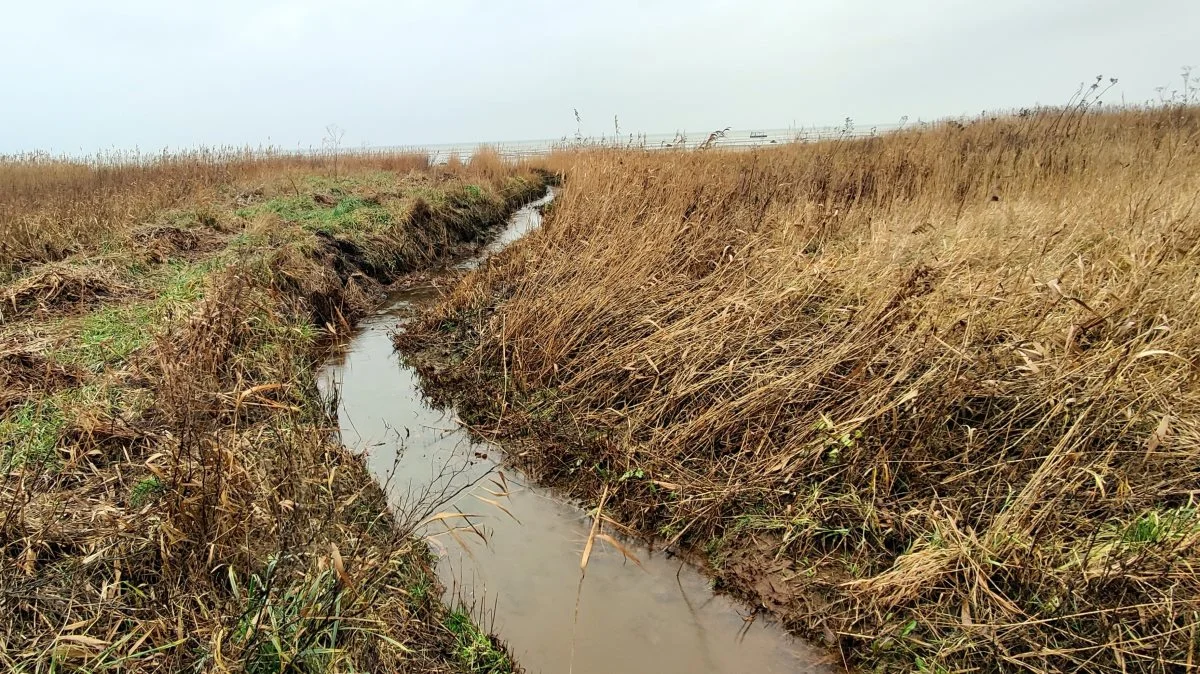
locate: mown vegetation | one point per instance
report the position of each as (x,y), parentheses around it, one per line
(171,497)
(931,397)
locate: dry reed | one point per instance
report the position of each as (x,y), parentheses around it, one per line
(932,395)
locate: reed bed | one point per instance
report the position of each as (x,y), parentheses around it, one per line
(931,397)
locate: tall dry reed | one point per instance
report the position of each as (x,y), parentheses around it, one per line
(933,395)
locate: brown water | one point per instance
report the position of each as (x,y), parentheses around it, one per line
(657,617)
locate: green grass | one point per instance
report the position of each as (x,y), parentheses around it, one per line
(468,196)
(183,283)
(145,491)
(435,197)
(475,650)
(189,218)
(29,433)
(354,213)
(516,185)
(349,214)
(1155,527)
(106,337)
(110,335)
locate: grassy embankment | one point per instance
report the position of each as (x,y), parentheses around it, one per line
(172,499)
(930,397)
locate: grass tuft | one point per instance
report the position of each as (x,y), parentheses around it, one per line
(475,650)
(145,490)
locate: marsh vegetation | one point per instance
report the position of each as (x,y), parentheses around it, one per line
(930,397)
(172,497)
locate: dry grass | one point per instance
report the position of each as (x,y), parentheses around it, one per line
(487,162)
(933,395)
(171,498)
(53,206)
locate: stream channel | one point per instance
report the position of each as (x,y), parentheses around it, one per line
(660,616)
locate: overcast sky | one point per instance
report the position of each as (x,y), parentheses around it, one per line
(85,75)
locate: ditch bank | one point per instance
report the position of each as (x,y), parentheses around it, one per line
(515,550)
(171,499)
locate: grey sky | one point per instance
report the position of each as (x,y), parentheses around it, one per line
(85,75)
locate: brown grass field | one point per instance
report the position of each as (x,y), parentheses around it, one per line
(930,397)
(172,497)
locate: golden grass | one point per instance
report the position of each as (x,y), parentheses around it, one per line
(939,387)
(53,206)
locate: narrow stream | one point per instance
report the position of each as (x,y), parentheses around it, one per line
(657,617)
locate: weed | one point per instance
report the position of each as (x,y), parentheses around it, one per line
(633,474)
(420,590)
(714,552)
(292,628)
(145,490)
(476,650)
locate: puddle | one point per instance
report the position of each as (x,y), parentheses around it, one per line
(659,617)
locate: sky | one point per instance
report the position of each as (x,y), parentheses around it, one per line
(80,76)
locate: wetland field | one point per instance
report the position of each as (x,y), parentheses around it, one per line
(921,401)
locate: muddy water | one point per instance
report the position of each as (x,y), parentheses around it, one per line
(657,617)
